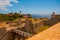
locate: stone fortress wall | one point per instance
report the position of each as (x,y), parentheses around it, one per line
(30,26)
(55,18)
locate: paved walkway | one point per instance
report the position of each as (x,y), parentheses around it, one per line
(52,33)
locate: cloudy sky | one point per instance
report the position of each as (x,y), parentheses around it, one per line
(30,6)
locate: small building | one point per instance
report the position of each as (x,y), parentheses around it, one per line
(55,17)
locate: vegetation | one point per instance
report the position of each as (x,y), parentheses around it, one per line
(11,16)
(42,28)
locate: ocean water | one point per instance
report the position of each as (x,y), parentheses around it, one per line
(40,16)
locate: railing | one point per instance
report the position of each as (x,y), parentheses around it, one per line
(22,33)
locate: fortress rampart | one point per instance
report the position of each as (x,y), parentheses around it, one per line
(27,27)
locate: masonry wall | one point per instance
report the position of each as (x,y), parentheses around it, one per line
(50,22)
(37,26)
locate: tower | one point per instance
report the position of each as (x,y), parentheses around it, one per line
(53,15)
(20,11)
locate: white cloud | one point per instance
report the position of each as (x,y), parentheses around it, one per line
(4,3)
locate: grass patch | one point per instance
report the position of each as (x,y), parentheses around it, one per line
(42,28)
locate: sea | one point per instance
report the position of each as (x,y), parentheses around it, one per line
(40,16)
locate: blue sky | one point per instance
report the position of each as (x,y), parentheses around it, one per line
(34,6)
